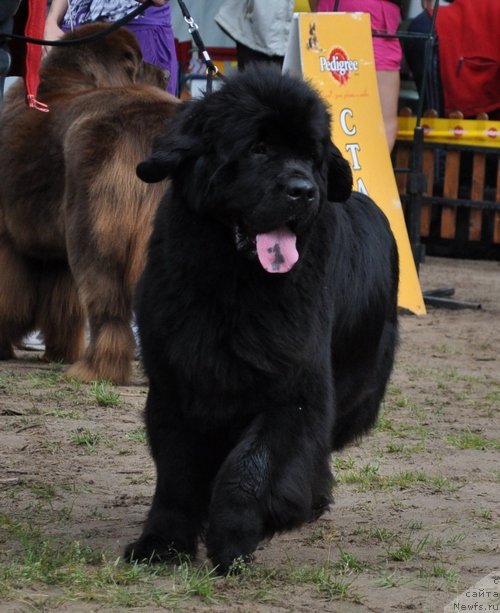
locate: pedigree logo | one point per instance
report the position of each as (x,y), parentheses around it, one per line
(338,65)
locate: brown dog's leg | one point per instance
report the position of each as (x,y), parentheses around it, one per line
(108,306)
(109,355)
(18,298)
(61,317)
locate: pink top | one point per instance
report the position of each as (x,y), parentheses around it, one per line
(385,17)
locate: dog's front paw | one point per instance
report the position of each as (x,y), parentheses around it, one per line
(152,548)
(230,564)
(230,551)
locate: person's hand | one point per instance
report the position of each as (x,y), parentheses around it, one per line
(52,32)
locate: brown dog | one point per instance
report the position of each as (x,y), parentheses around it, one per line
(74,217)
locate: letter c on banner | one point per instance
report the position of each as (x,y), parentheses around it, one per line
(343,122)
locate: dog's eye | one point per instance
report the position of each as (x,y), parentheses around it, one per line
(259,148)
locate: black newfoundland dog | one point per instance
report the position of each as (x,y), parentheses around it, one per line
(267,317)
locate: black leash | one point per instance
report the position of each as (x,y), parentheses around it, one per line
(212,70)
(193,29)
(83,39)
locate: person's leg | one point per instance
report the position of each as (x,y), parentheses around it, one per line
(414,48)
(388,87)
(385,17)
(246,56)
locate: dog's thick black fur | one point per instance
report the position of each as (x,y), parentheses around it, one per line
(257,370)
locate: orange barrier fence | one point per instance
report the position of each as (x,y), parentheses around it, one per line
(461,201)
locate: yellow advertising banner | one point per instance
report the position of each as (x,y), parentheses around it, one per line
(334,52)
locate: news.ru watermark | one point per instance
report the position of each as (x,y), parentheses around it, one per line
(482,596)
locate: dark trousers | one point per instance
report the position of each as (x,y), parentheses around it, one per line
(247,56)
(414,52)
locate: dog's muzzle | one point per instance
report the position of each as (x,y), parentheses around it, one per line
(296,200)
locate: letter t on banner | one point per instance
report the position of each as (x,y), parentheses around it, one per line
(334,52)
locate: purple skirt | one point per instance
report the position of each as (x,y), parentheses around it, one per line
(153,30)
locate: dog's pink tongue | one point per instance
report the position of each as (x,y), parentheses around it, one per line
(277,250)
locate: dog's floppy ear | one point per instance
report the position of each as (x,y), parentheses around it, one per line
(339,176)
(179,142)
(155,168)
(168,153)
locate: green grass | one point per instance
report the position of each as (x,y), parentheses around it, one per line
(49,378)
(51,447)
(137,436)
(365,477)
(332,587)
(382,534)
(344,463)
(493,398)
(141,479)
(347,563)
(105,394)
(453,540)
(398,546)
(86,438)
(438,571)
(82,574)
(415,525)
(472,440)
(8,384)
(50,384)
(408,549)
(43,491)
(390,580)
(482,513)
(327,580)
(406,450)
(385,424)
(369,477)
(62,413)
(45,572)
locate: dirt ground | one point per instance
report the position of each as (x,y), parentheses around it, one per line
(416,514)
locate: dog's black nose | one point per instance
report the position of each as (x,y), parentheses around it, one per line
(298,188)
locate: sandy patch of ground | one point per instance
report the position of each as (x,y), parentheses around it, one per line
(416,513)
